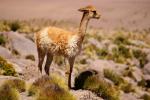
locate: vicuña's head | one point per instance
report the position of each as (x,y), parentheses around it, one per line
(90,11)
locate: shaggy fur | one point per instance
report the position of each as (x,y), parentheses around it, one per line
(53,41)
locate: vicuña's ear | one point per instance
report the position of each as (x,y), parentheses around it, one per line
(87,9)
(82,10)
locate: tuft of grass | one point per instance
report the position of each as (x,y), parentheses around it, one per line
(2,39)
(15,25)
(59,80)
(101,88)
(30,57)
(141,56)
(89,80)
(121,40)
(17,84)
(102,53)
(142,83)
(54,92)
(6,68)
(8,93)
(117,79)
(128,71)
(120,54)
(4,26)
(145,97)
(50,88)
(90,50)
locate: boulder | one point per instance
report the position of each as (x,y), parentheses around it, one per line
(85,95)
(22,45)
(5,53)
(127,96)
(28,67)
(100,65)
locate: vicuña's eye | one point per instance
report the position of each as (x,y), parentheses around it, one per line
(94,12)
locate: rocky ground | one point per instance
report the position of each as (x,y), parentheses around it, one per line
(120,61)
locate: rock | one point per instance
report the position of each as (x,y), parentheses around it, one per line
(21,44)
(81,78)
(5,53)
(137,74)
(146,69)
(95,42)
(146,77)
(85,95)
(100,65)
(127,96)
(28,67)
(134,62)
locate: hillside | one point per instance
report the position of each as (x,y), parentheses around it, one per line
(117,61)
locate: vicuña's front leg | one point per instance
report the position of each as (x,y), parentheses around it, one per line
(41,56)
(71,63)
(48,62)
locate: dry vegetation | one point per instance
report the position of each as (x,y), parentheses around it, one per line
(6,68)
(121,46)
(50,88)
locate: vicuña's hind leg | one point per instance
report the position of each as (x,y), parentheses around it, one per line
(41,56)
(48,62)
(71,63)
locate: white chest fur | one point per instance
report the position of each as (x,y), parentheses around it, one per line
(73,48)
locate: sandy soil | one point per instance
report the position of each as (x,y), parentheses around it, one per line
(115,13)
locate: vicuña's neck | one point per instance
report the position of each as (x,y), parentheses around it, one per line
(83,24)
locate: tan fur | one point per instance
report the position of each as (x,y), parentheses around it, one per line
(57,41)
(53,41)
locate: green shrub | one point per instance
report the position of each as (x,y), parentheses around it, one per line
(2,39)
(89,80)
(101,88)
(54,92)
(127,87)
(117,79)
(17,84)
(50,88)
(6,68)
(102,53)
(141,56)
(145,97)
(128,71)
(4,26)
(15,25)
(120,54)
(142,83)
(8,93)
(90,50)
(121,40)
